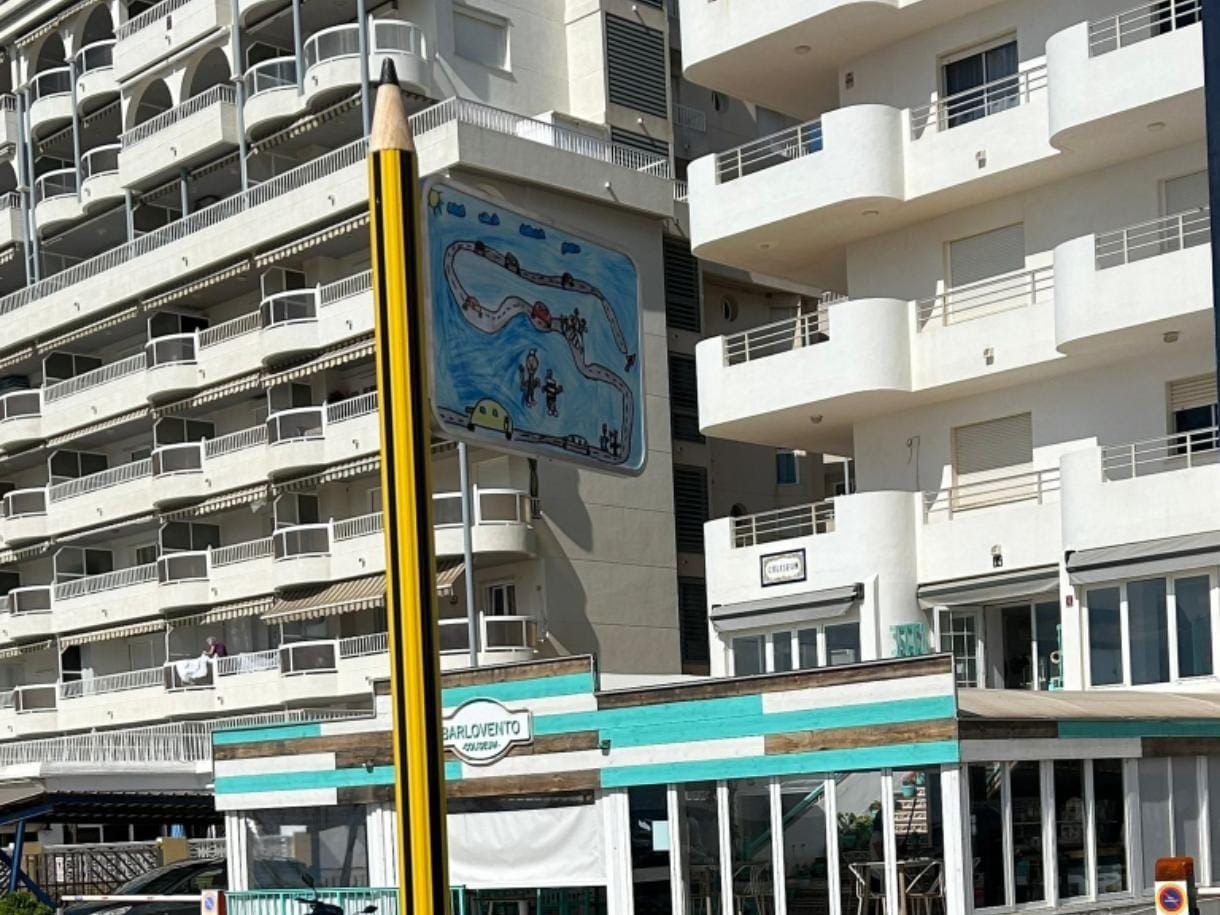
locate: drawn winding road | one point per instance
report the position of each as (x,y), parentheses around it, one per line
(492,320)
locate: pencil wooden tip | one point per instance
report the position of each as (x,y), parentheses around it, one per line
(391,129)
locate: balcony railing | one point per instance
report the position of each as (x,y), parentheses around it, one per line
(30,599)
(759,155)
(302,540)
(97,376)
(1146,21)
(249,551)
(784,524)
(58,183)
(148,17)
(361,526)
(248,663)
(107,581)
(98,55)
(11,200)
(1153,238)
(34,697)
(253,437)
(172,349)
(362,646)
(189,565)
(301,424)
(111,683)
(987,297)
(267,75)
(216,95)
(978,102)
(25,503)
(289,307)
(309,658)
(184,457)
(360,405)
(345,288)
(681,191)
(1031,486)
(386,36)
(1182,450)
(20,404)
(219,333)
(57,81)
(115,476)
(778,337)
(496,633)
(101,160)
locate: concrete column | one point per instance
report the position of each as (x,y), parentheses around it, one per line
(130,204)
(75,125)
(366,103)
(298,44)
(184,196)
(29,152)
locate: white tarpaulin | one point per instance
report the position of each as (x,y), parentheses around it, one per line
(554,847)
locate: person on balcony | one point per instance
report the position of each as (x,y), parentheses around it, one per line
(215,648)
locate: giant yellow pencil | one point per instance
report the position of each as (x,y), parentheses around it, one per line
(402,373)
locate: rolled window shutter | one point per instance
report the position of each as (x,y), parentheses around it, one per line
(993,253)
(1189,192)
(992,449)
(1188,393)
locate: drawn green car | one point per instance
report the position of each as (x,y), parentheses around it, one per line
(488,414)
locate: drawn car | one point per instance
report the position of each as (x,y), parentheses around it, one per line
(577,443)
(488,414)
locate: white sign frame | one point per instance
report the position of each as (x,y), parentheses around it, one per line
(798,573)
(491,748)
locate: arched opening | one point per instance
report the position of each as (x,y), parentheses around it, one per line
(152,102)
(213,70)
(51,54)
(98,27)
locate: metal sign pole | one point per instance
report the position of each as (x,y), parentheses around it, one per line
(1211,84)
(472,613)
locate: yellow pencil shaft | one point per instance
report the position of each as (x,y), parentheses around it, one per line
(405,456)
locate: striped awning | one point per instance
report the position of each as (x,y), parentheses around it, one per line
(101,425)
(8,254)
(328,600)
(346,470)
(219,502)
(181,291)
(247,382)
(16,358)
(16,651)
(341,354)
(76,536)
(307,123)
(25,552)
(85,330)
(53,23)
(306,242)
(447,574)
(115,632)
(232,610)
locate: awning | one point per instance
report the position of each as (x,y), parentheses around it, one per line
(349,351)
(1147,557)
(25,552)
(328,600)
(26,352)
(247,382)
(791,608)
(53,23)
(85,330)
(16,651)
(356,467)
(218,502)
(306,242)
(990,589)
(80,534)
(307,123)
(116,632)
(209,279)
(229,611)
(101,425)
(447,574)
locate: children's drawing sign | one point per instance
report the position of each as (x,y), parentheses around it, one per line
(535,335)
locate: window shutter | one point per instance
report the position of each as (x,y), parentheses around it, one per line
(692,620)
(993,253)
(635,66)
(683,398)
(1189,393)
(638,141)
(682,298)
(690,507)
(982,449)
(1189,192)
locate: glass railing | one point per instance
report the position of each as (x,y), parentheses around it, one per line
(25,503)
(386,36)
(289,307)
(30,599)
(20,404)
(266,75)
(174,349)
(302,540)
(51,82)
(59,183)
(300,424)
(184,457)
(96,56)
(309,657)
(101,160)
(35,697)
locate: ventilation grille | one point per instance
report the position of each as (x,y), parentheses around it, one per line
(682,301)
(690,507)
(635,65)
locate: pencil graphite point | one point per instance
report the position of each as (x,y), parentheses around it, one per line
(391,128)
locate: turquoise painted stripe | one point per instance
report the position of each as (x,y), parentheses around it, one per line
(304,781)
(257,735)
(513,690)
(453,771)
(668,713)
(894,756)
(1186,727)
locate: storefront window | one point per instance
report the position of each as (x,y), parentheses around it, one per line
(1025,789)
(1149,632)
(1156,834)
(1071,828)
(919,839)
(1109,822)
(327,842)
(750,841)
(700,826)
(1186,806)
(786,649)
(748,656)
(1046,621)
(1192,597)
(781,651)
(842,644)
(650,844)
(806,875)
(1105,637)
(861,841)
(986,784)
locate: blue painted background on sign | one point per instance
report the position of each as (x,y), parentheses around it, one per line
(535,333)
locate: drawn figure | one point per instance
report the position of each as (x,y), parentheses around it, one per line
(613,442)
(604,441)
(435,200)
(528,375)
(552,389)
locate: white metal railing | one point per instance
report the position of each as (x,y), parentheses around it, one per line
(978,102)
(360,405)
(111,683)
(172,349)
(765,152)
(58,183)
(181,457)
(1030,486)
(385,36)
(681,191)
(1153,238)
(240,440)
(248,662)
(101,160)
(1141,23)
(778,337)
(216,95)
(345,288)
(97,55)
(1182,450)
(302,540)
(987,297)
(784,524)
(266,75)
(248,551)
(115,476)
(56,81)
(91,379)
(8,102)
(107,581)
(497,120)
(30,599)
(691,118)
(20,404)
(25,503)
(219,333)
(359,646)
(148,17)
(360,526)
(10,201)
(206,849)
(292,306)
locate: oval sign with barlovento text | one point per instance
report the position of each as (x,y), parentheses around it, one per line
(481,731)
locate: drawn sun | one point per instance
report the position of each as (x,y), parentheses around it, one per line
(434,200)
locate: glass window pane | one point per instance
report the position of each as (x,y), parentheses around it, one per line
(1029,883)
(987,832)
(781,651)
(748,655)
(959,636)
(700,826)
(1213,778)
(649,824)
(1193,599)
(750,840)
(1105,637)
(1046,622)
(919,838)
(861,841)
(1109,818)
(842,644)
(1018,642)
(1185,806)
(328,842)
(1155,835)
(806,881)
(1148,623)
(1070,827)
(807,645)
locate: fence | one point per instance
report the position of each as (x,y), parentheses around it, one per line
(977,102)
(1182,450)
(115,476)
(784,524)
(360,405)
(235,441)
(987,297)
(67,870)
(778,337)
(219,333)
(284,902)
(241,552)
(112,683)
(216,95)
(1031,486)
(359,646)
(761,154)
(1141,23)
(1153,238)
(93,378)
(361,526)
(345,288)
(108,581)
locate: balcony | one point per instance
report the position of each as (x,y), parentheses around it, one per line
(10,124)
(183,579)
(332,667)
(165,29)
(289,322)
(25,516)
(502,640)
(1167,486)
(197,130)
(1131,285)
(108,390)
(272,98)
(26,614)
(99,498)
(28,709)
(1131,82)
(171,368)
(120,698)
(965,525)
(108,599)
(310,554)
(20,418)
(56,202)
(332,59)
(12,231)
(307,437)
(502,523)
(50,100)
(95,81)
(99,172)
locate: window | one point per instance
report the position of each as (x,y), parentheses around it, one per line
(683,299)
(787,468)
(289,396)
(748,655)
(61,366)
(690,507)
(178,536)
(72,465)
(167,323)
(980,82)
(1109,826)
(683,398)
(692,622)
(146,555)
(1192,606)
(501,599)
(480,37)
(799,649)
(296,508)
(1025,790)
(1185,194)
(172,431)
(1070,827)
(959,635)
(635,66)
(1168,15)
(1105,637)
(842,644)
(989,254)
(375,500)
(1194,414)
(1148,631)
(76,562)
(993,449)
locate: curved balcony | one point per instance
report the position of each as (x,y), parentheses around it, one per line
(1131,286)
(297,438)
(99,172)
(55,199)
(290,323)
(302,555)
(25,515)
(183,580)
(502,640)
(332,58)
(272,98)
(248,10)
(50,100)
(26,613)
(195,131)
(95,82)
(178,472)
(502,523)
(12,214)
(20,418)
(1132,81)
(172,368)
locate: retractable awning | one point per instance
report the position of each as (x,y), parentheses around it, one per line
(232,610)
(100,426)
(447,574)
(247,382)
(348,351)
(218,502)
(203,282)
(791,608)
(114,632)
(85,330)
(1146,557)
(304,243)
(328,600)
(990,589)
(16,651)
(356,467)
